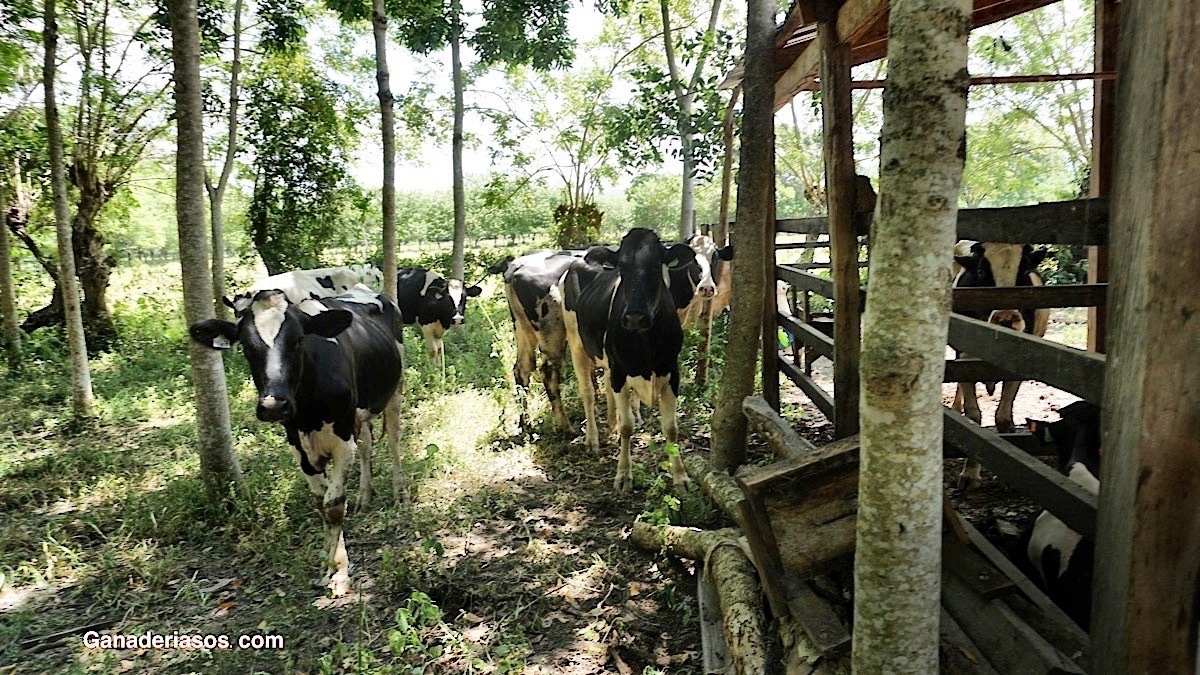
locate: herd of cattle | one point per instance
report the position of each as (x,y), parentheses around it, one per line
(326,355)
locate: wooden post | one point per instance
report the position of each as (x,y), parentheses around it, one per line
(1147,581)
(1100,183)
(770,351)
(838,116)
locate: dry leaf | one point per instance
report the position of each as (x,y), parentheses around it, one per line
(634,589)
(223,608)
(126,666)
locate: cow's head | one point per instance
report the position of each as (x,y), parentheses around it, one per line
(368,275)
(1000,264)
(270,329)
(643,264)
(1076,436)
(445,301)
(707,255)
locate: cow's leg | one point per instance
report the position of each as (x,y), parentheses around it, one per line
(318,484)
(624,480)
(970,477)
(334,511)
(366,443)
(610,401)
(1004,412)
(552,380)
(391,418)
(433,332)
(670,429)
(522,368)
(585,369)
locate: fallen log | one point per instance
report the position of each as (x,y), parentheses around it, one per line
(719,485)
(778,434)
(731,573)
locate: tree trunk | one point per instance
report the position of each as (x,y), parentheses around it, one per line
(11,333)
(905,326)
(216,193)
(93,265)
(82,400)
(218,463)
(755,205)
(460,194)
(383,78)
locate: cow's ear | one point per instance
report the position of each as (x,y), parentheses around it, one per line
(473,291)
(327,324)
(437,288)
(601,255)
(679,255)
(228,303)
(1036,257)
(725,253)
(214,333)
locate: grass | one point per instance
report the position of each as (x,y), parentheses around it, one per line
(510,556)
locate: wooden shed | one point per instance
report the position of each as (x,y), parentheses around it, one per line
(1141,222)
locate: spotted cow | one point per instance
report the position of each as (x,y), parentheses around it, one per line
(434,303)
(1062,558)
(323,368)
(325,282)
(620,315)
(693,285)
(986,264)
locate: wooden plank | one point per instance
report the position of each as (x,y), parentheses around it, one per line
(965,649)
(825,459)
(1068,634)
(814,522)
(815,393)
(789,245)
(1006,79)
(1008,643)
(1029,297)
(1067,368)
(1023,473)
(715,653)
(780,436)
(1100,179)
(837,115)
(816,618)
(804,281)
(812,337)
(985,580)
(976,370)
(770,369)
(1078,222)
(1145,615)
(764,550)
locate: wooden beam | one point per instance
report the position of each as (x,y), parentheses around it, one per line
(1078,222)
(1146,613)
(1024,473)
(854,17)
(1029,297)
(770,371)
(1006,79)
(1104,99)
(804,281)
(815,393)
(809,336)
(976,370)
(837,114)
(1074,370)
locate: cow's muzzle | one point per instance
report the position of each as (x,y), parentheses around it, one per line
(706,291)
(458,320)
(271,409)
(635,321)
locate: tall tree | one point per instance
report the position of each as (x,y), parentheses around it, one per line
(10,329)
(755,215)
(218,463)
(216,191)
(904,338)
(352,12)
(82,399)
(511,32)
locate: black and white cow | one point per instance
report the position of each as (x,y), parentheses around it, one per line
(434,303)
(531,288)
(620,315)
(985,264)
(694,284)
(323,369)
(1062,558)
(324,282)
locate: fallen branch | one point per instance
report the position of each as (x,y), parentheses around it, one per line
(784,440)
(733,576)
(719,485)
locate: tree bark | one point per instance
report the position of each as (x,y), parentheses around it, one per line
(216,193)
(11,331)
(718,485)
(93,265)
(460,194)
(387,120)
(756,196)
(905,327)
(82,400)
(218,464)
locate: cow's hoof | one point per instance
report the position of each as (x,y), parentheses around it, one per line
(623,484)
(1005,427)
(969,483)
